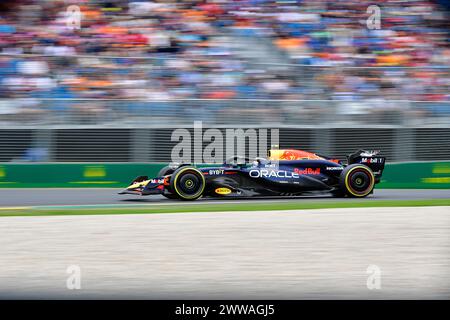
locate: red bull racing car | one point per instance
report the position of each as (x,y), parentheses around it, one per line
(283,173)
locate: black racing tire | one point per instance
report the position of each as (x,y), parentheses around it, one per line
(187,183)
(357,181)
(164,172)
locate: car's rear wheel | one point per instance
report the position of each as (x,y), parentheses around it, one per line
(187,183)
(357,180)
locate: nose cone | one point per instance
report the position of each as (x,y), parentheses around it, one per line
(135,188)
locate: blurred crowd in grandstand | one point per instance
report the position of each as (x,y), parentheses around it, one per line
(166,50)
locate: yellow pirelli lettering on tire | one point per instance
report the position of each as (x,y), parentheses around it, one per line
(350,189)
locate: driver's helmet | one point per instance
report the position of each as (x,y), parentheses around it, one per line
(258,161)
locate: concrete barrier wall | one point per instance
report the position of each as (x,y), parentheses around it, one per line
(116,175)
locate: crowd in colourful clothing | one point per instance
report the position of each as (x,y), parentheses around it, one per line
(168,50)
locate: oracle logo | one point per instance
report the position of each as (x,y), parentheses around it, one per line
(272,174)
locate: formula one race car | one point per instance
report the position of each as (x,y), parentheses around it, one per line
(283,173)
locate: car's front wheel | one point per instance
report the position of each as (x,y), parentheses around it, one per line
(187,183)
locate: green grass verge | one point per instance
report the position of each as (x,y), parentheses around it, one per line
(258,206)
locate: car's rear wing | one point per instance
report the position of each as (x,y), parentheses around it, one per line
(372,159)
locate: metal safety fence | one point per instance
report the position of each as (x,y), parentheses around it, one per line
(398,144)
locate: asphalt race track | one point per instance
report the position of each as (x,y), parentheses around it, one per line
(91,196)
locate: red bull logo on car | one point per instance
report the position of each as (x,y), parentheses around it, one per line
(290,154)
(282,173)
(311,171)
